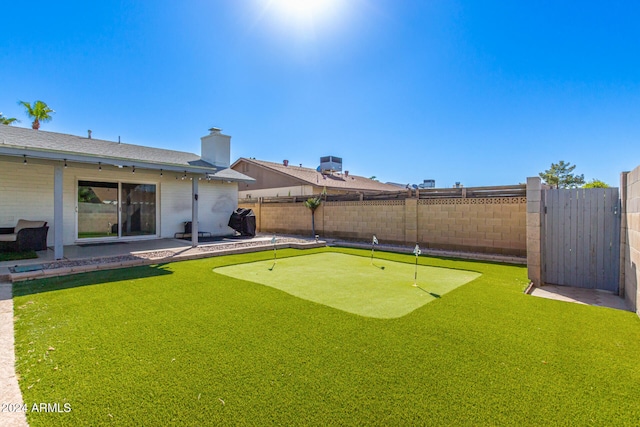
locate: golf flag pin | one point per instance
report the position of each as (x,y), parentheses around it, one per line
(275,256)
(375,240)
(416,251)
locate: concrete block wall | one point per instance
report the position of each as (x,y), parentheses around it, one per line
(492,225)
(285,218)
(361,220)
(631,238)
(489,225)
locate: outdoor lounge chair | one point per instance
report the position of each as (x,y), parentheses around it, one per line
(25,236)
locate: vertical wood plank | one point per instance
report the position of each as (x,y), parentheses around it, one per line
(606,252)
(612,240)
(550,205)
(574,194)
(566,236)
(593,242)
(586,240)
(547,249)
(554,238)
(616,240)
(601,238)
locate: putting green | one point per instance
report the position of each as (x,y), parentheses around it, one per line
(352,284)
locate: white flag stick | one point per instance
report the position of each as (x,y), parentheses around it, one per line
(416,251)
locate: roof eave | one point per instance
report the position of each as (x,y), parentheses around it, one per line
(116,161)
(223,175)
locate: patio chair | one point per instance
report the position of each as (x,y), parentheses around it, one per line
(25,236)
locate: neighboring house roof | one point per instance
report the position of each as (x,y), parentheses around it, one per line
(313,177)
(56,146)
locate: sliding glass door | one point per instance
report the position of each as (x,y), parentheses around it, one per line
(97,209)
(138,211)
(112,210)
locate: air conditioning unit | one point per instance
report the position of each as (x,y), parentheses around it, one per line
(329,164)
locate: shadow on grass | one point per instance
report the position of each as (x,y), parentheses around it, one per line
(38,286)
(430,293)
(15,256)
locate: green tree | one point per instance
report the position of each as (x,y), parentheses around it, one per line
(7,120)
(560,176)
(39,112)
(596,183)
(313,203)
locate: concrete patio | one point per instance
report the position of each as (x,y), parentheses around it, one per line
(595,297)
(101,256)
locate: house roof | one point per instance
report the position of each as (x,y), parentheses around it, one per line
(313,177)
(18,141)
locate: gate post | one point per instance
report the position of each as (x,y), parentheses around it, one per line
(535,212)
(623,233)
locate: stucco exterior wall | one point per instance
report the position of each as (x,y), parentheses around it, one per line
(631,239)
(217,200)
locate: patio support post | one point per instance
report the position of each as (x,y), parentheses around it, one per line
(58,248)
(623,232)
(194,211)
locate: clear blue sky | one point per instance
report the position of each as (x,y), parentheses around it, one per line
(481,92)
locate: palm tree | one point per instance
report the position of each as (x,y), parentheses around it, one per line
(7,120)
(313,203)
(39,112)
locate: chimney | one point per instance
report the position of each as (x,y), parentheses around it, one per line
(346,174)
(285,162)
(215,148)
(89,132)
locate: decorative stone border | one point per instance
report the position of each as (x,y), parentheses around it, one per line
(67,267)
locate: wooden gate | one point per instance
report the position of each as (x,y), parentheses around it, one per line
(582,238)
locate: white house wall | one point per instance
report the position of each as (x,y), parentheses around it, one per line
(26,192)
(175,205)
(216,202)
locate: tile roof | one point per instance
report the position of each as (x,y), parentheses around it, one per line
(313,177)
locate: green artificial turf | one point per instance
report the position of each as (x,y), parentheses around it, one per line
(359,285)
(178,344)
(13,256)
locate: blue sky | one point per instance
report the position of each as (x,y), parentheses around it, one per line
(480,92)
